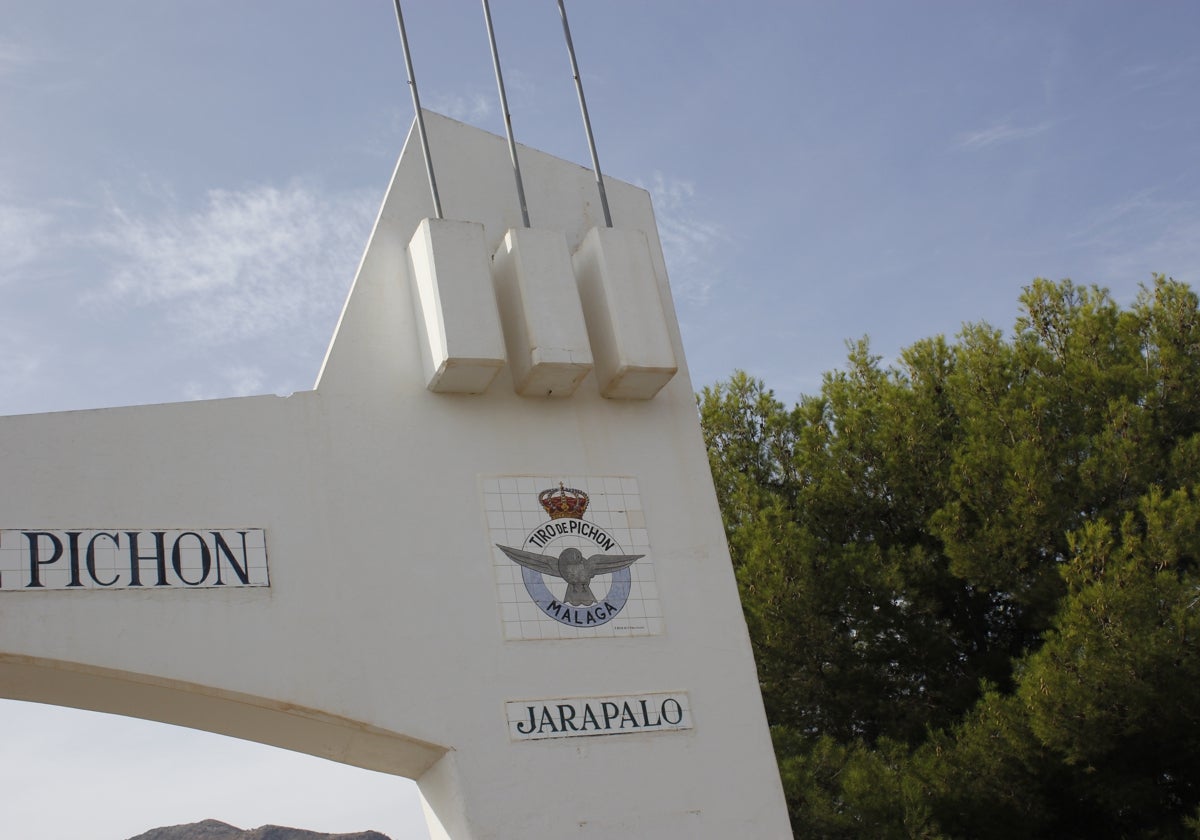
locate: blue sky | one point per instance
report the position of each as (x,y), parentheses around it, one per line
(186,189)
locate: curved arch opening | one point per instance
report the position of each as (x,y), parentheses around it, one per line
(73,773)
(66,751)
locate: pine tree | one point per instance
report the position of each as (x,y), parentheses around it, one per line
(971,577)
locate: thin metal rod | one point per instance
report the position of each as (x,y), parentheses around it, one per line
(587,123)
(416,98)
(512,145)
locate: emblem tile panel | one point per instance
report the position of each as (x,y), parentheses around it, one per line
(512,512)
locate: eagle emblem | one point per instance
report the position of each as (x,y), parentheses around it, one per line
(573,567)
(563,556)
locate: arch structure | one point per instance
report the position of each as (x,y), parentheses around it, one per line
(484,552)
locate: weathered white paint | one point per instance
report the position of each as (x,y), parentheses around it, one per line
(380,641)
(625,316)
(458,332)
(547,339)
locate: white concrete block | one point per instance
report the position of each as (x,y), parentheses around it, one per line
(626,323)
(462,348)
(539,307)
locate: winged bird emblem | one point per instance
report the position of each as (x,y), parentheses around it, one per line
(572,567)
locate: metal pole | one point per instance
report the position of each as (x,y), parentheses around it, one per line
(587,123)
(412,84)
(512,145)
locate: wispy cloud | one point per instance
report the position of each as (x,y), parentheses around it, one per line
(1128,240)
(235,381)
(23,238)
(22,362)
(1174,249)
(690,242)
(248,264)
(1000,133)
(468,108)
(1142,77)
(15,57)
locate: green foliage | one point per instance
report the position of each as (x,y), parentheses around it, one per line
(972,577)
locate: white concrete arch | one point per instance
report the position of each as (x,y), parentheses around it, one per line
(242,716)
(334,571)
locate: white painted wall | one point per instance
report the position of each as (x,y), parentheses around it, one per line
(379,641)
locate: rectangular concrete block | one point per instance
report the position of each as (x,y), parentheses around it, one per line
(540,312)
(626,324)
(462,348)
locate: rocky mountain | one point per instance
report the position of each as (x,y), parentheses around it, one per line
(216,830)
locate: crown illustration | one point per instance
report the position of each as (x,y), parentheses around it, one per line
(564,502)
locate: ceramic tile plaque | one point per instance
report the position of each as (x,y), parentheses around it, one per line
(121,558)
(571,717)
(571,556)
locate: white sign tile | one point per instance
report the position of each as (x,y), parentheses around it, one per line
(571,556)
(33,560)
(623,714)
